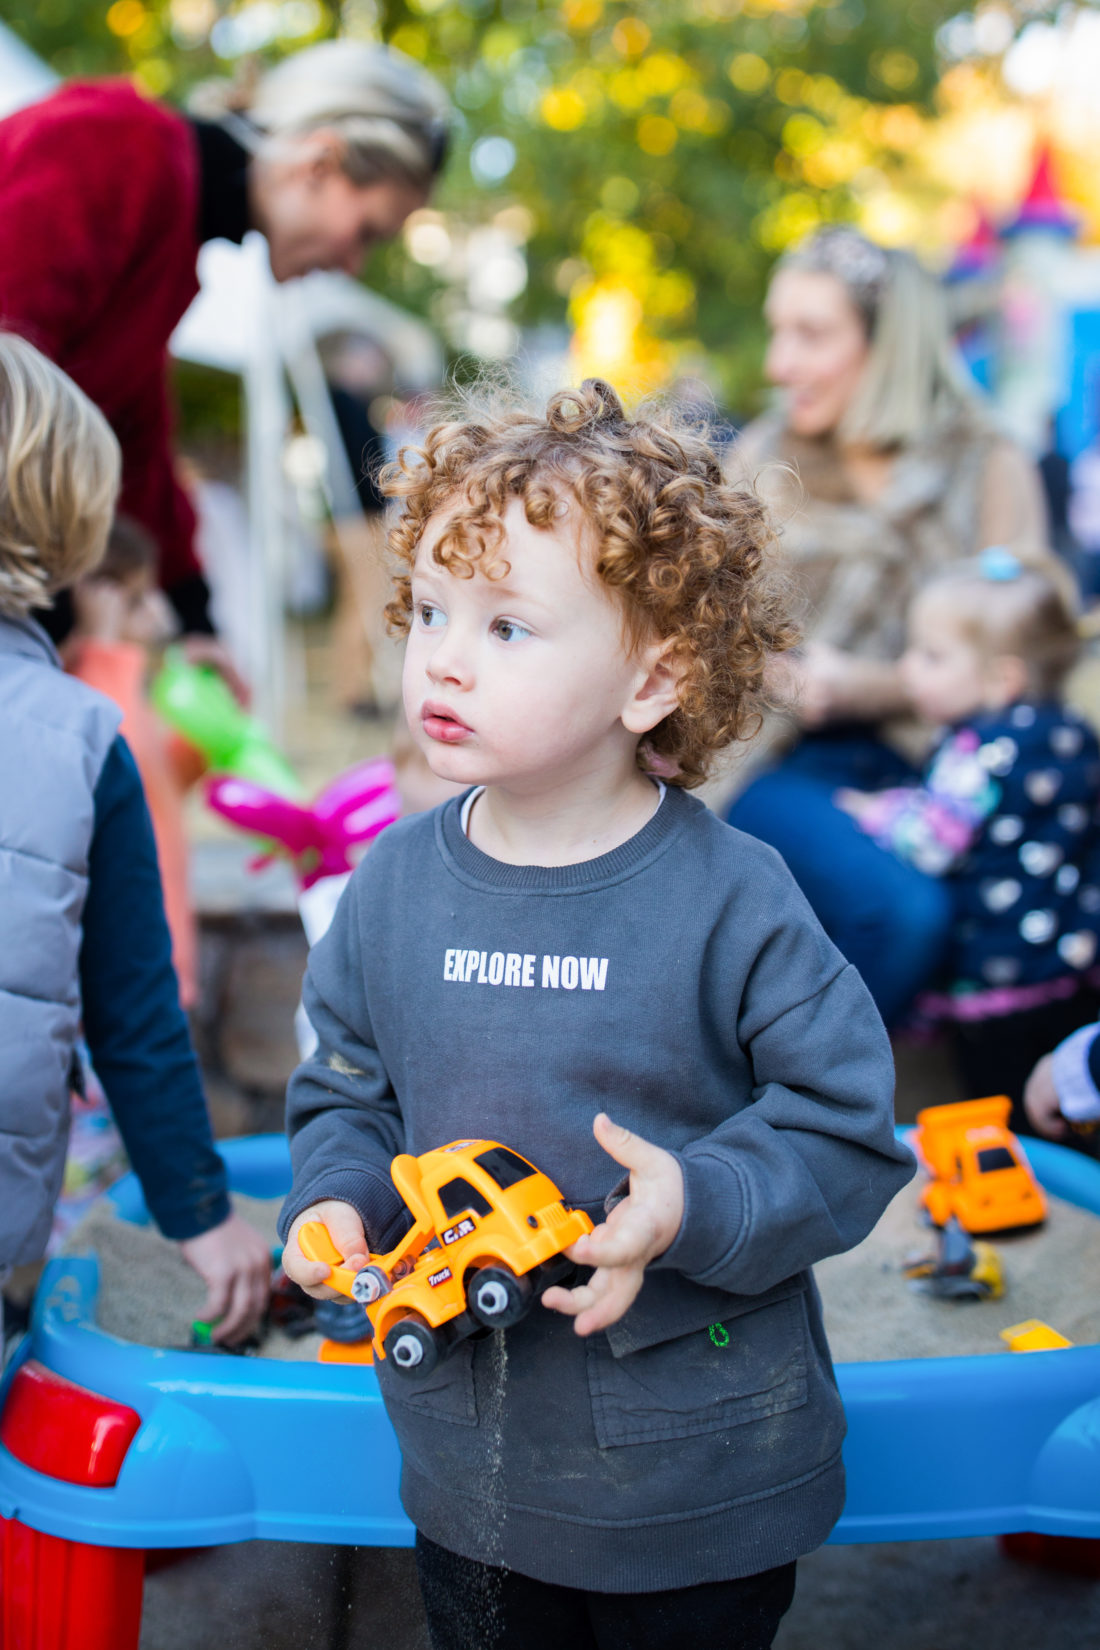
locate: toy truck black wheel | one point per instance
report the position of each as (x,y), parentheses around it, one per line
(497,1298)
(412,1348)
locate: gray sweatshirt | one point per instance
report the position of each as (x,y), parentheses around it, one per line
(681,983)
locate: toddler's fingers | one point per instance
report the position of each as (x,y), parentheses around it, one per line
(611,1302)
(631,1150)
(216,1304)
(626,1239)
(241,1314)
(309,1275)
(346,1231)
(599,1302)
(569,1301)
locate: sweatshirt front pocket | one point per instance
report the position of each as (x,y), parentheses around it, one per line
(722,1375)
(447,1394)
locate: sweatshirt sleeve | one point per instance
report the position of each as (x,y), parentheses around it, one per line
(1076,1075)
(343,1118)
(137,1033)
(806,1169)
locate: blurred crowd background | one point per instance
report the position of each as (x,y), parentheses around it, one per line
(623,176)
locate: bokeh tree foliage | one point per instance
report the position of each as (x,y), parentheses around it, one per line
(653,155)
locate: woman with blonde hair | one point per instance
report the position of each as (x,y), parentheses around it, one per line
(106,197)
(882,464)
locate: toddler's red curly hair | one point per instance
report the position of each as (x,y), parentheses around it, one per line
(688,556)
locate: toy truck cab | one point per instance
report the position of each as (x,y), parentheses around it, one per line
(979,1172)
(487,1238)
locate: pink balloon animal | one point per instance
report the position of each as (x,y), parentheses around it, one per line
(317,837)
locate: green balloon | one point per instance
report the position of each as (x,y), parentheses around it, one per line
(197,703)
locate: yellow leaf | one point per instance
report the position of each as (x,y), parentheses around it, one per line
(656,135)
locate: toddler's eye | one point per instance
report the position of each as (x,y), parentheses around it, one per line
(509,631)
(430,617)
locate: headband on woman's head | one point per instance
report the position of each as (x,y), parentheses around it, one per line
(862,266)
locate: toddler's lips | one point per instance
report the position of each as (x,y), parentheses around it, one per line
(439,723)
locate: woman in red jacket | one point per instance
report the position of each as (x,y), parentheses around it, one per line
(106,197)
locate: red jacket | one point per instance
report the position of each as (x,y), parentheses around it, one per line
(99,202)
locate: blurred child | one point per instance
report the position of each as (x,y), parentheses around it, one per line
(81,909)
(588,604)
(121,616)
(1005,809)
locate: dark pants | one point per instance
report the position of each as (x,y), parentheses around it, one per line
(997,1056)
(889,919)
(474,1606)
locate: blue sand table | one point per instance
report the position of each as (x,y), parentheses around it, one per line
(233,1449)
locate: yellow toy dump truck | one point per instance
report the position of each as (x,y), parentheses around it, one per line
(487,1239)
(979,1172)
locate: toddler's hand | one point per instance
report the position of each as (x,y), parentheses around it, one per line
(636,1231)
(1041,1102)
(345,1228)
(855,803)
(824,681)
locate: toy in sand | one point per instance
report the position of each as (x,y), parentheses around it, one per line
(1049,1273)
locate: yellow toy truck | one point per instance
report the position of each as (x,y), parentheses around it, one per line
(978,1171)
(487,1239)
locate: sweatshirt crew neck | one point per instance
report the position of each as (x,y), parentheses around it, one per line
(480,870)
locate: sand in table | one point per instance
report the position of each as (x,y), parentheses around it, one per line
(147,1291)
(871,1313)
(149,1294)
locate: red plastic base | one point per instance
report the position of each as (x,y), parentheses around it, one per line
(63,1595)
(65,1431)
(1074,1555)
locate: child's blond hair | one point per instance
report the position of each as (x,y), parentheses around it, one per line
(1006,606)
(59,476)
(687,555)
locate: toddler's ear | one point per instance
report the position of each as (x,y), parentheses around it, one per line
(1007,678)
(656,688)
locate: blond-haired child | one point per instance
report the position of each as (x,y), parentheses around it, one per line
(80,899)
(588,607)
(1005,811)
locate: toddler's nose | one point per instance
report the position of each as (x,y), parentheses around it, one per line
(447,661)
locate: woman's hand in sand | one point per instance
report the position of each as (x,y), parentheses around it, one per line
(636,1231)
(234,1262)
(1041,1102)
(345,1228)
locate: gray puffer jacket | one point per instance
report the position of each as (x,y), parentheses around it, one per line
(55,734)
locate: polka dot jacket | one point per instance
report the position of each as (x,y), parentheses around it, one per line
(1008,810)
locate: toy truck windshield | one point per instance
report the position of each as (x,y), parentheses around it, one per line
(458,1195)
(505,1167)
(996,1157)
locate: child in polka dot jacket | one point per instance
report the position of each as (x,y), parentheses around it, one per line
(1006,809)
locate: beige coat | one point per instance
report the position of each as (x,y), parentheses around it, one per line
(856,564)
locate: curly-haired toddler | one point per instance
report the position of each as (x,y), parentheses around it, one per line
(589,610)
